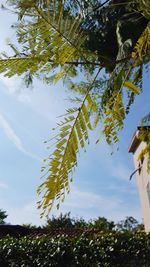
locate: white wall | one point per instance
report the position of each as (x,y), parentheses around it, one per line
(143,179)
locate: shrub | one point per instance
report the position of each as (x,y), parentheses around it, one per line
(104,250)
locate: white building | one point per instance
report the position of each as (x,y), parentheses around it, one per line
(142,176)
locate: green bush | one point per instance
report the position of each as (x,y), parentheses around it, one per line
(104,250)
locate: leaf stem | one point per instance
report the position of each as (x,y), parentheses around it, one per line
(79,111)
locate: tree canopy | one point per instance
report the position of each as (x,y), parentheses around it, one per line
(61,39)
(3,216)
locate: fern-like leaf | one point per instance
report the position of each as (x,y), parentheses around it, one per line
(50,38)
(73,134)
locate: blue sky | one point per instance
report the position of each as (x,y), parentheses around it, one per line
(101,184)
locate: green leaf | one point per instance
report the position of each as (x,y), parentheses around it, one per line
(131,87)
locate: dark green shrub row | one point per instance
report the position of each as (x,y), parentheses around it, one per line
(104,250)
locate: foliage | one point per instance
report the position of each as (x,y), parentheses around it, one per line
(29,226)
(102,224)
(105,249)
(73,134)
(129,224)
(144,136)
(3,216)
(144,7)
(142,48)
(66,222)
(63,221)
(56,42)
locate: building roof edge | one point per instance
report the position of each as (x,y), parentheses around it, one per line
(135,139)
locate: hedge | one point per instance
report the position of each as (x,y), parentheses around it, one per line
(104,250)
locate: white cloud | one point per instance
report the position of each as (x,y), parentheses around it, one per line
(3,185)
(114,166)
(120,171)
(81,204)
(24,215)
(87,200)
(45,101)
(14,87)
(12,136)
(91,205)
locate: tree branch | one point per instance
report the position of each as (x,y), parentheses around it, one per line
(76,63)
(97,7)
(40,13)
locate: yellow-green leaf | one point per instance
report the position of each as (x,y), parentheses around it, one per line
(132,87)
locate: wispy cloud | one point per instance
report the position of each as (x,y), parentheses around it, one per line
(3,185)
(120,171)
(91,205)
(13,86)
(86,200)
(87,205)
(24,214)
(12,136)
(117,166)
